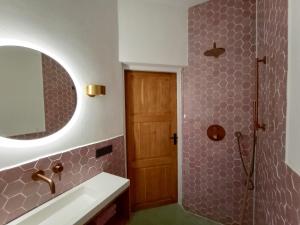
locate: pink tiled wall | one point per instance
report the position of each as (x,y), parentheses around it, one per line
(218,91)
(278,187)
(59,98)
(19,194)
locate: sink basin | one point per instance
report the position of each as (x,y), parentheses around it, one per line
(57,211)
(79,205)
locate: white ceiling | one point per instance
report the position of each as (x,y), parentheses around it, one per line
(190,3)
(184,3)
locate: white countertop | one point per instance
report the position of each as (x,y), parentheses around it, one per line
(78,205)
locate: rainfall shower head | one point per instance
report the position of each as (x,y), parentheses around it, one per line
(216,52)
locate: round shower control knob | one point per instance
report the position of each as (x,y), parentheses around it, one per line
(216,132)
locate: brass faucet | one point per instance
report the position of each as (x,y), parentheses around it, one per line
(40,175)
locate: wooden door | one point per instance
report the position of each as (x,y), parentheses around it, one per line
(150,124)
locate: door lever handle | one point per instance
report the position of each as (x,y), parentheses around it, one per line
(174,138)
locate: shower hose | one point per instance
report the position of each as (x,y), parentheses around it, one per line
(248,173)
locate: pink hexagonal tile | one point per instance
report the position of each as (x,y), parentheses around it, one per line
(14,203)
(3,216)
(43,164)
(12,174)
(277,202)
(19,193)
(217,91)
(3,184)
(31,201)
(13,188)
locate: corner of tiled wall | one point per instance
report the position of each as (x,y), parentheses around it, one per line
(218,91)
(278,187)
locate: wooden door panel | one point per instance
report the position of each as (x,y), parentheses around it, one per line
(153,178)
(162,117)
(156,179)
(151,141)
(138,180)
(150,95)
(150,122)
(151,162)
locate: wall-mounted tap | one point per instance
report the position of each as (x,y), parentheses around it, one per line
(40,176)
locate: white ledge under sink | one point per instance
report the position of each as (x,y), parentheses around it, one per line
(78,205)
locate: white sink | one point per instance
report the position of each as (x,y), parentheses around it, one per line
(55,212)
(79,205)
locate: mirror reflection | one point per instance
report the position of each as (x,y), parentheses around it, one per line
(37,95)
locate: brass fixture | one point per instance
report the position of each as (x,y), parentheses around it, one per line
(257,124)
(40,176)
(239,137)
(215,52)
(263,60)
(216,132)
(57,169)
(94,89)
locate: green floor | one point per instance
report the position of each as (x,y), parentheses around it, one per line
(168,215)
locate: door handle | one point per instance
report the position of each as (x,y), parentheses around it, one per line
(174,138)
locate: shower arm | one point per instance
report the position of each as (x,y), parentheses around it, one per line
(256,102)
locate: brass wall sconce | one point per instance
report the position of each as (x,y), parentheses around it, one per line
(93,89)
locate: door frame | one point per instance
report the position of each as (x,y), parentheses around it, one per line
(178,72)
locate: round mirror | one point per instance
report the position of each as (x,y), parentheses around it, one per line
(37,95)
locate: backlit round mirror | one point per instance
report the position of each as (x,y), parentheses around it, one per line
(37,95)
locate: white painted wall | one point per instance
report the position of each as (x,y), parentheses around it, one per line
(153,32)
(21,87)
(293,106)
(83,37)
